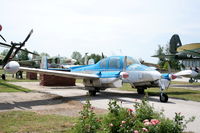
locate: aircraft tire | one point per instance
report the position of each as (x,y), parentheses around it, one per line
(140,91)
(163,97)
(191,80)
(3,76)
(92,93)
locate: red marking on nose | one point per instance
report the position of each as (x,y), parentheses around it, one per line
(174,76)
(125,75)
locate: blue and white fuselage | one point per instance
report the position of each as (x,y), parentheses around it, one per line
(111,67)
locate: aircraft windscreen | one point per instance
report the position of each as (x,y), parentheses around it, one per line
(131,61)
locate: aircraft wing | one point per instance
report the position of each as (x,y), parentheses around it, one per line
(163,55)
(61,73)
(193,49)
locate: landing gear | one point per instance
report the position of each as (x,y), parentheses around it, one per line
(140,90)
(92,92)
(191,80)
(163,97)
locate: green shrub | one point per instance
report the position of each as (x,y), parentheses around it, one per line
(145,111)
(118,119)
(122,120)
(88,122)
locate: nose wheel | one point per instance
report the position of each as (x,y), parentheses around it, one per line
(163,97)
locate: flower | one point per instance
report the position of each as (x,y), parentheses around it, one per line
(147,123)
(123,122)
(145,130)
(130,110)
(111,125)
(135,131)
(146,120)
(155,121)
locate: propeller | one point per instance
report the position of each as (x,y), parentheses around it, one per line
(124,74)
(125,64)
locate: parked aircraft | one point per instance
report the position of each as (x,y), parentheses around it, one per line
(181,52)
(14,49)
(184,52)
(109,72)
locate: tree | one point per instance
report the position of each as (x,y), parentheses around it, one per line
(35,56)
(77,56)
(167,62)
(96,57)
(44,54)
(160,52)
(4,52)
(22,55)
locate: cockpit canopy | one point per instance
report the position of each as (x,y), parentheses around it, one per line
(116,62)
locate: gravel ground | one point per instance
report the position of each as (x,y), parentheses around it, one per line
(42,101)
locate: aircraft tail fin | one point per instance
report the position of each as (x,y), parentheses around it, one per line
(174,43)
(44,63)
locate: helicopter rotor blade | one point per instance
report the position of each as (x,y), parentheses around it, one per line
(28,36)
(3,38)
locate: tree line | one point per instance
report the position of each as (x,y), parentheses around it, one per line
(23,55)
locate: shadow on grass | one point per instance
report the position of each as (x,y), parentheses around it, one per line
(14,87)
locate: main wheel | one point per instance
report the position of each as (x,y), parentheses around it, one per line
(92,92)
(3,76)
(140,91)
(163,97)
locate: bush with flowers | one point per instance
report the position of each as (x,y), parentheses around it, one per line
(88,121)
(144,119)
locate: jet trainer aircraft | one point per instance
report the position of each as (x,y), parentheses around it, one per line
(109,72)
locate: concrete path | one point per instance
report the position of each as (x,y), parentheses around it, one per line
(187,108)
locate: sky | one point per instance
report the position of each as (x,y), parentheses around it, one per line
(114,27)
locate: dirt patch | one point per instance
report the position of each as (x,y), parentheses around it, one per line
(42,103)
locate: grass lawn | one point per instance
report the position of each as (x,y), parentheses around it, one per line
(180,93)
(6,87)
(185,83)
(23,121)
